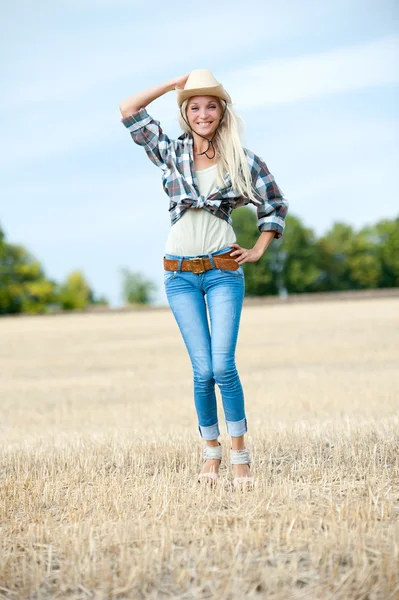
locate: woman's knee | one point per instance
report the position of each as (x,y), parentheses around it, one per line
(224,372)
(203,375)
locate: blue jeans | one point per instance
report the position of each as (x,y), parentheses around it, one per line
(211,351)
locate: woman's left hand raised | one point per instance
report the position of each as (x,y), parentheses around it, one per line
(242,255)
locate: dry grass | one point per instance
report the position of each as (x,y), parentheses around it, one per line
(100,449)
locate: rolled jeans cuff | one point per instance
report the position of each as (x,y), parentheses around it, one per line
(209,433)
(237,428)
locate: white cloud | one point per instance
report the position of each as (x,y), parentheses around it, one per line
(307,144)
(65,64)
(58,129)
(286,80)
(51,62)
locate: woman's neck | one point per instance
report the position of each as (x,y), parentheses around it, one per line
(201,145)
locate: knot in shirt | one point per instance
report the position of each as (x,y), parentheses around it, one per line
(199,203)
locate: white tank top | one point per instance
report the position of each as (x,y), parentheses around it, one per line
(198,231)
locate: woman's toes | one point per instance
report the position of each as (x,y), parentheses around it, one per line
(211,466)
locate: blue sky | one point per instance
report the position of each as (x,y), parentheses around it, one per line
(315,82)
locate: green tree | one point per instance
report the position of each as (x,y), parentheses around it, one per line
(348,260)
(364,263)
(289,263)
(24,288)
(23,285)
(333,250)
(260,279)
(300,269)
(75,293)
(136,289)
(384,235)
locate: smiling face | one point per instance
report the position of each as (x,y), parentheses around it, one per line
(204,114)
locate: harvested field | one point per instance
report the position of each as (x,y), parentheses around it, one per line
(100,451)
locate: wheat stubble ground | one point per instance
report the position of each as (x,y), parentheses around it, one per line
(100,449)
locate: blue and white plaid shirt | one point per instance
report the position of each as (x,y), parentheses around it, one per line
(176,159)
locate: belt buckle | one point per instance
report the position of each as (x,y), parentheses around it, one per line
(195,262)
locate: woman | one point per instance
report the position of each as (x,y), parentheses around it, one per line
(207,173)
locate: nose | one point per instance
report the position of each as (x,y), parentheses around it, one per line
(203,113)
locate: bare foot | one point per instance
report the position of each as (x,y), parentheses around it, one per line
(241,471)
(211,466)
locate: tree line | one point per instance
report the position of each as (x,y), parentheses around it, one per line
(24,287)
(299,262)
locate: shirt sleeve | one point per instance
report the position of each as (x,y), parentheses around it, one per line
(147,132)
(272,207)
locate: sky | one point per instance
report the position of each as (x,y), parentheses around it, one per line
(316,84)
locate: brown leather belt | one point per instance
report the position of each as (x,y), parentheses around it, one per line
(200,265)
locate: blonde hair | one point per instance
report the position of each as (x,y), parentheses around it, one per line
(233,160)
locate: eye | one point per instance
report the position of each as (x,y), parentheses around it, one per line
(194,108)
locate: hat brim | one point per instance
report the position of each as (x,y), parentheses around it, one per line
(217,91)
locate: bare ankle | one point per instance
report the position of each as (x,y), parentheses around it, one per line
(212,443)
(237,443)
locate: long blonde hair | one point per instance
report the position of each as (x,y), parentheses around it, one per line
(228,144)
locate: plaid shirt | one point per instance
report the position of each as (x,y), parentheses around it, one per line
(176,159)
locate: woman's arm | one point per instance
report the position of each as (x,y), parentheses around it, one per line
(271,213)
(242,255)
(133,104)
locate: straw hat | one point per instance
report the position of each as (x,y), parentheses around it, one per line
(201,82)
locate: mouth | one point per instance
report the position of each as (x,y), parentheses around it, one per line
(204,124)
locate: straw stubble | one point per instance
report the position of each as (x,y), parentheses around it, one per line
(100,451)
